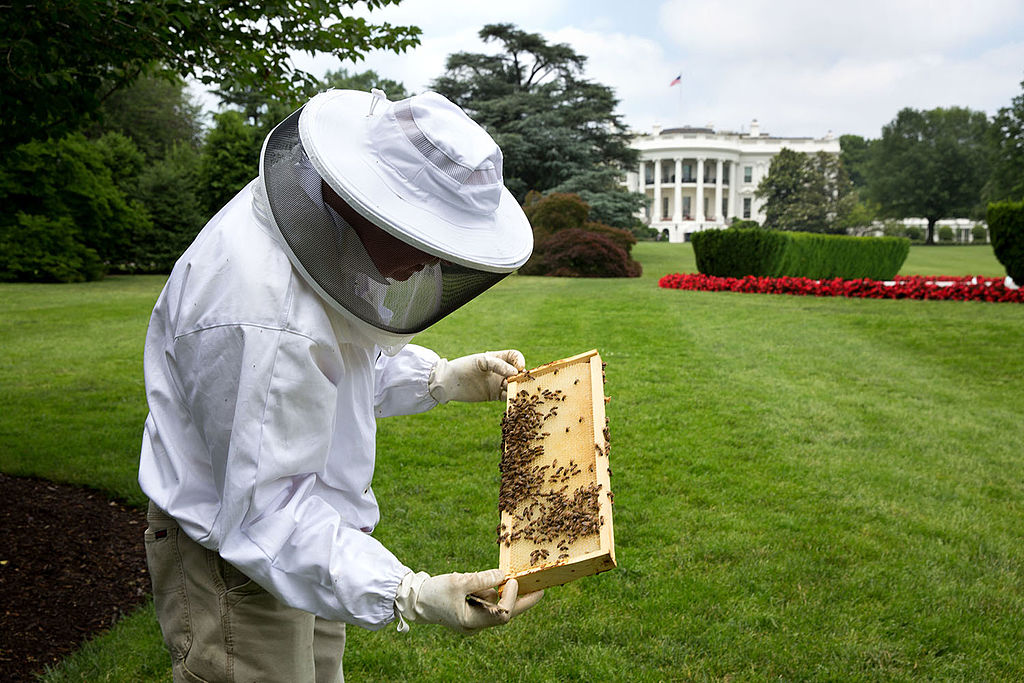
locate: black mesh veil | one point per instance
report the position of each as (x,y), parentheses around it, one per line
(327,251)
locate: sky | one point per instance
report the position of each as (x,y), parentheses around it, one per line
(800,67)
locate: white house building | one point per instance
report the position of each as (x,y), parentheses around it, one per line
(699,179)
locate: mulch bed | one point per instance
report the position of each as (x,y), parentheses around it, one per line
(71,564)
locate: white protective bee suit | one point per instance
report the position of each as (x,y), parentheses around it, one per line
(264,385)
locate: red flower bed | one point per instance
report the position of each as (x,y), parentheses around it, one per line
(967,288)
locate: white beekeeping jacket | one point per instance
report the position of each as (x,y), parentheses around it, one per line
(260,439)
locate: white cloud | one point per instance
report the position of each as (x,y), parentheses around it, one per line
(447,26)
(744,28)
(635,67)
(803,68)
(800,67)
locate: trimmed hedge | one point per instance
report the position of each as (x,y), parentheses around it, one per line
(736,252)
(771,253)
(1006,230)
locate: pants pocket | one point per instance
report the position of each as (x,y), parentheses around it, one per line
(163,556)
(235,582)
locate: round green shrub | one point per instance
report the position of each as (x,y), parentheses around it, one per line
(915,233)
(584,253)
(1006,229)
(624,238)
(556,211)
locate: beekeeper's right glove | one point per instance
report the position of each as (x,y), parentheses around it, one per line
(426,599)
(479,377)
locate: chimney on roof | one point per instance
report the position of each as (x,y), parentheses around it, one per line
(755,129)
(656,129)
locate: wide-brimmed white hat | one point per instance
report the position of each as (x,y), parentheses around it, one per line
(420,169)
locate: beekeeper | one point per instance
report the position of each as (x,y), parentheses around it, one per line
(280,337)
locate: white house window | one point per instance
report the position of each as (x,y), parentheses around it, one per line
(748,174)
(686,207)
(664,207)
(746,207)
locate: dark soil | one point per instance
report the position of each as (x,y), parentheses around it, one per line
(71,563)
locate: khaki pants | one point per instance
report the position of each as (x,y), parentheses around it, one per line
(221,626)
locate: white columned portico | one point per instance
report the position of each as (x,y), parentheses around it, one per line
(740,161)
(677,196)
(656,209)
(733,180)
(718,191)
(699,213)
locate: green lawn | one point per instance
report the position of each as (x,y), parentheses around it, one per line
(805,489)
(953,260)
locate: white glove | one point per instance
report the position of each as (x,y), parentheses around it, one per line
(480,377)
(425,599)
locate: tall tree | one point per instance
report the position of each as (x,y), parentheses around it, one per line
(782,190)
(1006,136)
(807,192)
(156,113)
(551,123)
(169,190)
(364,80)
(62,58)
(930,164)
(855,154)
(265,110)
(228,161)
(66,218)
(609,201)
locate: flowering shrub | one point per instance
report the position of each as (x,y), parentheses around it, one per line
(566,244)
(966,288)
(581,253)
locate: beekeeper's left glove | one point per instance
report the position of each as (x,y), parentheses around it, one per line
(479,377)
(426,599)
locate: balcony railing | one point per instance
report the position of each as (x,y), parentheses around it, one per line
(649,182)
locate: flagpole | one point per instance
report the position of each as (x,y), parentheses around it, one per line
(678,81)
(679,113)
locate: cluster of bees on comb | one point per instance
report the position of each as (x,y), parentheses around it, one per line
(540,510)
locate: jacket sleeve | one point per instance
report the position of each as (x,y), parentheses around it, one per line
(401,382)
(265,403)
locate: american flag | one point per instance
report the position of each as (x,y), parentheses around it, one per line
(676,80)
